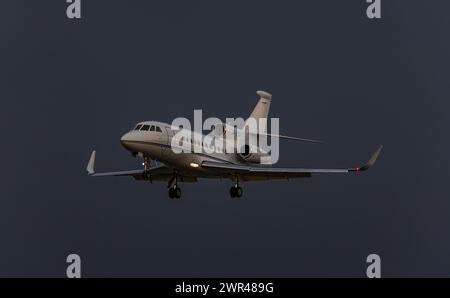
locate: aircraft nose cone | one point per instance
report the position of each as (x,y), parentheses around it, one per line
(124,140)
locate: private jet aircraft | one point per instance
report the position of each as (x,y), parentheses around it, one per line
(152,140)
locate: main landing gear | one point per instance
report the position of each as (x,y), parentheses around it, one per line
(236,190)
(174,190)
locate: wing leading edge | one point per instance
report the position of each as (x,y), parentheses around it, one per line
(250,173)
(160,172)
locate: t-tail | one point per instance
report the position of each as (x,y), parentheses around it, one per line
(261,111)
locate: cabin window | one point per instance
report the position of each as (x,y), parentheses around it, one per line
(145,127)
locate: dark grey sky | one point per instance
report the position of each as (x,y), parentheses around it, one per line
(67,87)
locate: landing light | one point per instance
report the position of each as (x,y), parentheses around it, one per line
(194,165)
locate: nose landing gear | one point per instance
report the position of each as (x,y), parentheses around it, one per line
(146,173)
(236,191)
(174,190)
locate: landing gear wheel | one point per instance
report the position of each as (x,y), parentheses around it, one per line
(146,175)
(177,192)
(233,192)
(239,192)
(236,192)
(174,192)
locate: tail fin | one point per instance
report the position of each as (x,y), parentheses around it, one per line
(261,109)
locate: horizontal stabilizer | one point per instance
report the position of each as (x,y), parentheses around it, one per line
(290,138)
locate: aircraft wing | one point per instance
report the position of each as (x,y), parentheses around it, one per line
(252,173)
(159,172)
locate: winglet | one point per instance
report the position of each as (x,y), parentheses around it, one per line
(91,163)
(371,161)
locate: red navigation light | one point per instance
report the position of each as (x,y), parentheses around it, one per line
(358,169)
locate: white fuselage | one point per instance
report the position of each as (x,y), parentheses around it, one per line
(157,145)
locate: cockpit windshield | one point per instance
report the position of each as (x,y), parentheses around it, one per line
(146,127)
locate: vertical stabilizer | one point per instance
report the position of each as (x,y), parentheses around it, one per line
(261,109)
